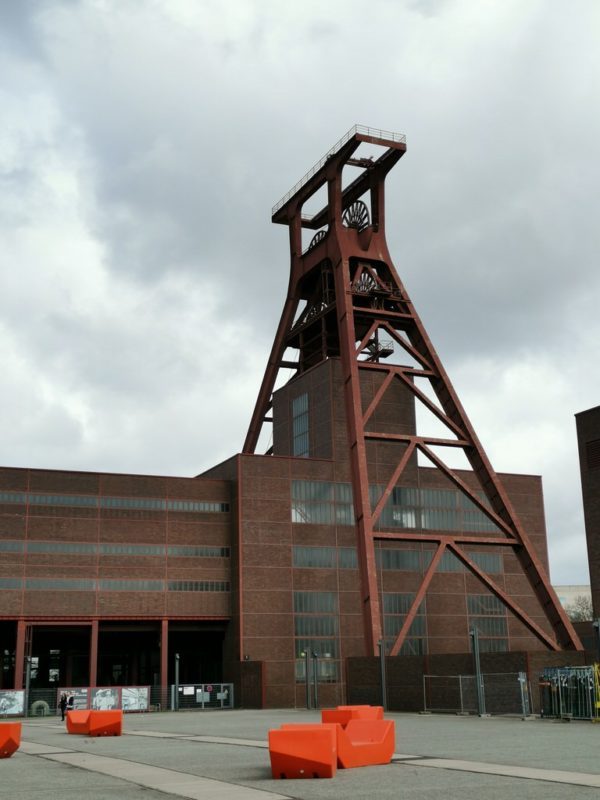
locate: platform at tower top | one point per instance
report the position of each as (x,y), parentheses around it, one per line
(359,132)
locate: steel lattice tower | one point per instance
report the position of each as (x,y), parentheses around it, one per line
(346,300)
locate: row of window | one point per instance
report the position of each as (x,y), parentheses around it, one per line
(89,548)
(392,559)
(316,627)
(326,503)
(92,501)
(110,585)
(411,496)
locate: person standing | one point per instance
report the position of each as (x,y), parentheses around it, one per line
(62,704)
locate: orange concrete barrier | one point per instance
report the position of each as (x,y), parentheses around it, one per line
(303,751)
(106,723)
(78,721)
(364,743)
(343,714)
(10,738)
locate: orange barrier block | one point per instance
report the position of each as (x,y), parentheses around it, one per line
(343,714)
(78,721)
(106,723)
(303,751)
(364,743)
(10,738)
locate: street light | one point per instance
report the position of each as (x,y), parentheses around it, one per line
(315,656)
(176,699)
(306,656)
(381,644)
(474,634)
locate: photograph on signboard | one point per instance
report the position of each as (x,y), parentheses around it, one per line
(80,695)
(105,699)
(12,703)
(135,698)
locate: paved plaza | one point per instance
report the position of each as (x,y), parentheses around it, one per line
(223,756)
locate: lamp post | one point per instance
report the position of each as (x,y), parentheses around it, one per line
(306,656)
(315,656)
(474,634)
(27,683)
(176,699)
(381,644)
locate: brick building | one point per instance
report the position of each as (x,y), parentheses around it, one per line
(352,533)
(104,577)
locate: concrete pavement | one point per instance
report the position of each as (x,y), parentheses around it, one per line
(223,756)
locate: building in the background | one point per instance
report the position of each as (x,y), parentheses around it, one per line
(588,438)
(576,599)
(373,520)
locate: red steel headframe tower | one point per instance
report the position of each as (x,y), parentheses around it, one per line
(346,300)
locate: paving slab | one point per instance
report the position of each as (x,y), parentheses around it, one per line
(223,755)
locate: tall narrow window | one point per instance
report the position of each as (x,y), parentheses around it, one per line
(316,634)
(488,614)
(300,426)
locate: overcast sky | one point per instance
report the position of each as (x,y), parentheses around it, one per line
(143,143)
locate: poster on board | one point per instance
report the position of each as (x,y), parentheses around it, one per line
(12,702)
(135,698)
(80,695)
(105,699)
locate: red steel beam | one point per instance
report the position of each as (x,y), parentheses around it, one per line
(419,597)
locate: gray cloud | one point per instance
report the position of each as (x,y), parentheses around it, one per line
(145,144)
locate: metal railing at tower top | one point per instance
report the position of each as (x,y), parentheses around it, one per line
(365,130)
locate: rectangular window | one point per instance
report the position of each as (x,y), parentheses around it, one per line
(110,585)
(316,632)
(403,560)
(69,548)
(132,549)
(199,586)
(395,607)
(487,613)
(315,625)
(300,442)
(199,551)
(11,583)
(315,603)
(448,562)
(316,557)
(61,584)
(7,546)
(491,563)
(197,505)
(347,558)
(322,503)
(409,508)
(106,502)
(493,645)
(592,453)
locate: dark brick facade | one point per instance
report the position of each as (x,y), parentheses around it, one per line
(588,438)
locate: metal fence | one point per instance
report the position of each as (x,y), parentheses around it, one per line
(198,697)
(504,693)
(201,696)
(570,692)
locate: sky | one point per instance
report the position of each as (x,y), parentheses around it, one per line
(143,144)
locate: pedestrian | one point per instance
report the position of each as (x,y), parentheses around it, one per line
(63,706)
